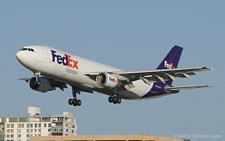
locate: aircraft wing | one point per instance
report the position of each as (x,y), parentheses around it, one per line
(54,83)
(161,75)
(186,87)
(25,79)
(62,85)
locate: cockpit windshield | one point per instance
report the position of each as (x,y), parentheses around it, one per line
(27,49)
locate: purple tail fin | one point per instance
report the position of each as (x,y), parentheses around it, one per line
(171,60)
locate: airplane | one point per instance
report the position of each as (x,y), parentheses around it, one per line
(53,69)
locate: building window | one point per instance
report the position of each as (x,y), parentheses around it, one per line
(12,130)
(45,125)
(39,130)
(49,125)
(13,119)
(12,136)
(23,119)
(21,125)
(31,125)
(19,136)
(39,125)
(28,125)
(35,125)
(28,130)
(12,125)
(45,119)
(19,130)
(8,130)
(8,125)
(28,135)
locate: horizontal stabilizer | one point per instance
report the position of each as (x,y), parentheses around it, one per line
(187,87)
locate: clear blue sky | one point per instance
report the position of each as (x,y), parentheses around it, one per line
(131,35)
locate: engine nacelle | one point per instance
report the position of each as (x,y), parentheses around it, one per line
(107,80)
(42,85)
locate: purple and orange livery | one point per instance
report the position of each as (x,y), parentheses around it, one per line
(66,60)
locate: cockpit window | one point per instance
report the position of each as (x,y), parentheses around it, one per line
(23,48)
(28,49)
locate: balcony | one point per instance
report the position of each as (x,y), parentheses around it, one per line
(57,129)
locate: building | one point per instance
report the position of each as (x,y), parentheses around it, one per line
(103,138)
(22,128)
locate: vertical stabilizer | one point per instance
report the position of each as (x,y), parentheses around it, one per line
(171,60)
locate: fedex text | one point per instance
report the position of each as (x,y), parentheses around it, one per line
(65,60)
(169,66)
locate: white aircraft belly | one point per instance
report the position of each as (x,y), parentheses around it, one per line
(138,91)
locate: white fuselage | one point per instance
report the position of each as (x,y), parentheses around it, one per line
(71,69)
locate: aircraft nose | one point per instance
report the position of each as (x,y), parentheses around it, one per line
(19,55)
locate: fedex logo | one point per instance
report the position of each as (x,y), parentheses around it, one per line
(169,66)
(112,79)
(65,60)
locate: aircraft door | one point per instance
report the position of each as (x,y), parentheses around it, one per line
(46,56)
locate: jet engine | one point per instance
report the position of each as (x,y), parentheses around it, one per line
(42,85)
(107,80)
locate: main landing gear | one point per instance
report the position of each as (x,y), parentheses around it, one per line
(75,101)
(114,100)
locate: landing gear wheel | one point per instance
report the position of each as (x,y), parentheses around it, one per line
(114,100)
(70,101)
(119,100)
(79,102)
(110,99)
(74,102)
